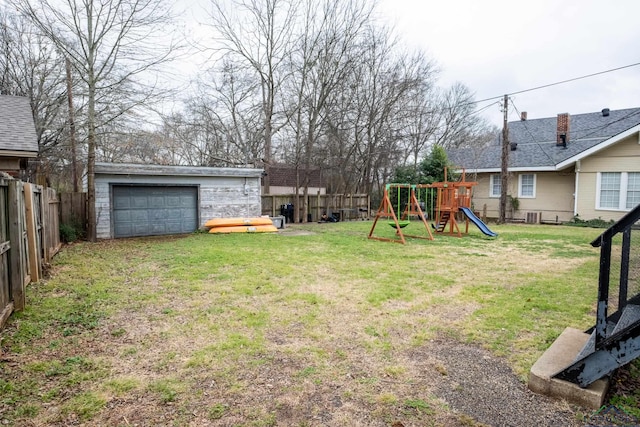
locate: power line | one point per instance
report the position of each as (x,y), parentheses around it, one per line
(533,139)
(576,78)
(486,106)
(558,83)
(599,128)
(481,109)
(594,130)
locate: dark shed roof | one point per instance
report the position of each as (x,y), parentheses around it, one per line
(536,141)
(285,176)
(17,129)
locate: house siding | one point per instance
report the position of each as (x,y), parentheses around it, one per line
(585,207)
(481,197)
(218,196)
(622,157)
(554,196)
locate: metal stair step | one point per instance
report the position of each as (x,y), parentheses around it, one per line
(588,348)
(590,345)
(630,315)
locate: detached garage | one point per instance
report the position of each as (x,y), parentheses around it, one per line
(151,200)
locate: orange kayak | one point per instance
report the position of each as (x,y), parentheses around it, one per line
(232,222)
(244,229)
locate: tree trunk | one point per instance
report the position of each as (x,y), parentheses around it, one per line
(72,128)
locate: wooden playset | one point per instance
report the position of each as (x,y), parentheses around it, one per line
(451,197)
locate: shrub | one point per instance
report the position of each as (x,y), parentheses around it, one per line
(71,231)
(68,233)
(576,221)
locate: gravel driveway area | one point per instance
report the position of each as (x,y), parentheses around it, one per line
(484,388)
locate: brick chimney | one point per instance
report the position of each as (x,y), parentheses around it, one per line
(523,116)
(562,133)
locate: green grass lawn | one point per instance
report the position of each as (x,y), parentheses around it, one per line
(269,329)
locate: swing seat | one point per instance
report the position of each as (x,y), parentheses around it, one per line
(402,224)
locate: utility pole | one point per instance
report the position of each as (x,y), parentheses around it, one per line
(504,181)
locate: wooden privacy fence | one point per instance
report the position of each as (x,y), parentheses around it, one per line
(73,210)
(346,206)
(29,238)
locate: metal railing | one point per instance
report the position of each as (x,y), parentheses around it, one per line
(619,261)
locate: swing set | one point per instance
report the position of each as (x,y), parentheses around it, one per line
(399,217)
(452,197)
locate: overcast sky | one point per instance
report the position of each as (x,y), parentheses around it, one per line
(504,46)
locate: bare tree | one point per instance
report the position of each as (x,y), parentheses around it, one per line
(459,123)
(30,66)
(109,44)
(258,35)
(384,79)
(421,117)
(324,57)
(230,100)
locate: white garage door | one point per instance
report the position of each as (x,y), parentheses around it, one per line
(154,210)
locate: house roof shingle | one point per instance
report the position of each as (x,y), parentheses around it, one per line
(536,141)
(17,129)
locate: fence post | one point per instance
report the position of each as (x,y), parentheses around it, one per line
(34,254)
(15,253)
(273,205)
(51,213)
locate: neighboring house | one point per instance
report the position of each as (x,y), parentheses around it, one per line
(559,167)
(18,139)
(284,178)
(149,200)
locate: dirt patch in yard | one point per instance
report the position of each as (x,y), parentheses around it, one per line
(286,385)
(223,346)
(292,230)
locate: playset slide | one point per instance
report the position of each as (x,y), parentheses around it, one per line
(478,222)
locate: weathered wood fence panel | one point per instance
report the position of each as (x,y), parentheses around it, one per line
(6,300)
(32,198)
(18,262)
(29,237)
(346,206)
(51,216)
(73,209)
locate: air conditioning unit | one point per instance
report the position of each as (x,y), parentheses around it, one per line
(532,218)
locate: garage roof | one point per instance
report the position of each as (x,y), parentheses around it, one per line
(162,170)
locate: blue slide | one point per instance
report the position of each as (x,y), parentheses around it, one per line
(478,222)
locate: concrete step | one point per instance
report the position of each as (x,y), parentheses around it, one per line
(560,355)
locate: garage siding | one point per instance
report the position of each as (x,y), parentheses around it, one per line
(219,193)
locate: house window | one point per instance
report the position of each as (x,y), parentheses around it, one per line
(610,190)
(495,185)
(527,185)
(633,189)
(618,190)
